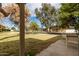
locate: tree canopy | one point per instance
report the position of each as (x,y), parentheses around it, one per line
(46,15)
(13,9)
(34,26)
(67,13)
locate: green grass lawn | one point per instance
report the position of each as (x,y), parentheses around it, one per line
(9,45)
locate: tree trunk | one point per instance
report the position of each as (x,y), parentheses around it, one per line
(22,29)
(22,26)
(48,29)
(78,42)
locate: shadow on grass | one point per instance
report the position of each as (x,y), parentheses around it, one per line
(8,37)
(32,46)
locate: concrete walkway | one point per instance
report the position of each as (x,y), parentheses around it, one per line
(59,49)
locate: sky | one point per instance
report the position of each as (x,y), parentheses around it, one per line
(33,6)
(32,17)
(6,21)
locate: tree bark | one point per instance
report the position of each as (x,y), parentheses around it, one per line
(22,26)
(22,29)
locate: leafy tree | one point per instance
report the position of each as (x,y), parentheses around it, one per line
(3,11)
(67,13)
(46,15)
(14,11)
(34,26)
(1,28)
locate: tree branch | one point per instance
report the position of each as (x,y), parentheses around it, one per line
(3,11)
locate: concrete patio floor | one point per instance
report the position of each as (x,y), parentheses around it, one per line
(59,48)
